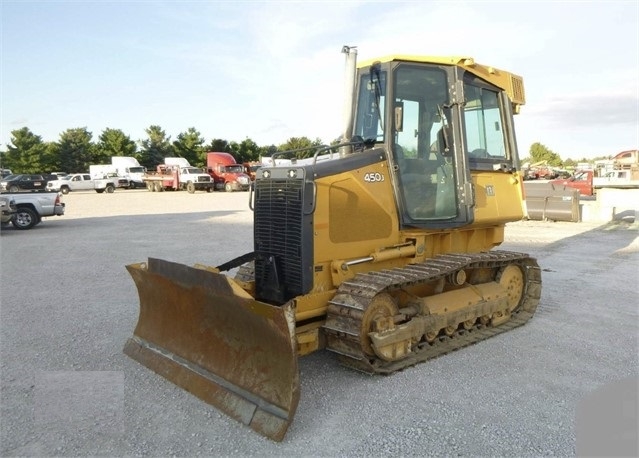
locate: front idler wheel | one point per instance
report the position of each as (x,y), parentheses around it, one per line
(379,319)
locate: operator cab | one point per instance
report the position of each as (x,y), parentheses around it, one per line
(439,123)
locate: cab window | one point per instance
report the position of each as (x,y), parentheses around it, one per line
(484,126)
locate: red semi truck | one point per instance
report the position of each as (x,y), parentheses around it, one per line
(226,173)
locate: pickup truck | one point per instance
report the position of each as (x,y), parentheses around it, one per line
(8,207)
(31,207)
(83,182)
(587,183)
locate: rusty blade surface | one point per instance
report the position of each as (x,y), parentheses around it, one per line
(201,331)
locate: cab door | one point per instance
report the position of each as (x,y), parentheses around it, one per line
(430,171)
(86,182)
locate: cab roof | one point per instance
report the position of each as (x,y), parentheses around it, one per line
(509,82)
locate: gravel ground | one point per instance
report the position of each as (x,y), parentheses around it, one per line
(564,384)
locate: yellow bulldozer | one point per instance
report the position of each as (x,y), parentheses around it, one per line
(380,249)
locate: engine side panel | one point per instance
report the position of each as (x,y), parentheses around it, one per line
(498,198)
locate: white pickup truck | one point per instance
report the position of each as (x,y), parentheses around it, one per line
(31,207)
(84,182)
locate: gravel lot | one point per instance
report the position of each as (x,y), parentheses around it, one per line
(562,385)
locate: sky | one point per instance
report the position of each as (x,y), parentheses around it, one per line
(272,70)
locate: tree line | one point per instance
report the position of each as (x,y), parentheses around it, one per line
(76,150)
(540,153)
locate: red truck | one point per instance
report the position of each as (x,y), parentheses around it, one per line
(586,181)
(226,173)
(581,180)
(177,174)
(250,168)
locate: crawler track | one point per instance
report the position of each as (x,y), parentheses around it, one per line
(346,309)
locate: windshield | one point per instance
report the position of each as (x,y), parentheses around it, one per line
(191,170)
(136,169)
(234,169)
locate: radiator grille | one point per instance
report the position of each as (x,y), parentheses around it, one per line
(279,238)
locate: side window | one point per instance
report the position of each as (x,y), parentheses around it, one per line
(86,177)
(369,122)
(484,125)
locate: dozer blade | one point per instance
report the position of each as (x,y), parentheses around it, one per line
(203,332)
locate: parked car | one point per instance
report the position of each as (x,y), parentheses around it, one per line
(8,207)
(25,182)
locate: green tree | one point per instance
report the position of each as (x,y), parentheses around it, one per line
(51,158)
(155,148)
(75,150)
(267,151)
(26,153)
(190,146)
(218,145)
(113,142)
(539,153)
(247,151)
(294,143)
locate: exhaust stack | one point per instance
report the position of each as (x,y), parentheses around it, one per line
(349,87)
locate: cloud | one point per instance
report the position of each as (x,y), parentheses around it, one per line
(593,110)
(587,110)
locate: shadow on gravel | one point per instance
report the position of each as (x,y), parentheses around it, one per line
(165,221)
(625,233)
